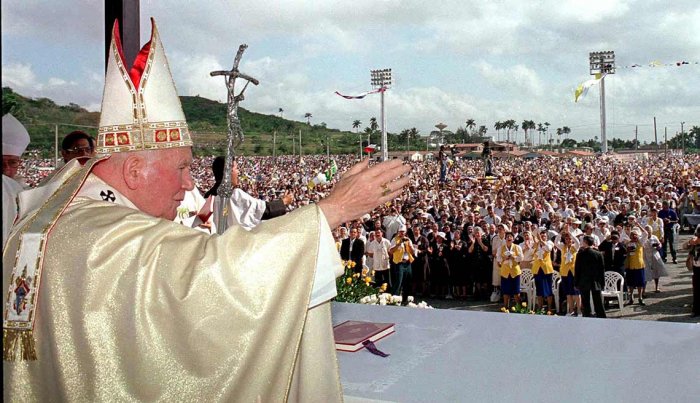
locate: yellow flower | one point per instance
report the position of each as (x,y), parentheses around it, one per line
(365,271)
(512,309)
(384,287)
(356,275)
(532,312)
(348,280)
(373,272)
(524,304)
(503,309)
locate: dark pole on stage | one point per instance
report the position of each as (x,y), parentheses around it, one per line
(128,14)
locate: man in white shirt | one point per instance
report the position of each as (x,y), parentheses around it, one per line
(392,222)
(378,250)
(589,230)
(492,218)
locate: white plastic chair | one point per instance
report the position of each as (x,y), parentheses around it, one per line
(556,280)
(527,286)
(614,287)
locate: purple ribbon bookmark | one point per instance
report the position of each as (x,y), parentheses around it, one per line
(373,349)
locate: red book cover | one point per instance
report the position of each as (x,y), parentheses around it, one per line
(350,334)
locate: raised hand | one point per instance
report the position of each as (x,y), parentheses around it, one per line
(362,188)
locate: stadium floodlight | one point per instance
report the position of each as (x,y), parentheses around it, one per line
(602,63)
(381,78)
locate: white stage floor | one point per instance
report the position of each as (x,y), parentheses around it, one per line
(457,356)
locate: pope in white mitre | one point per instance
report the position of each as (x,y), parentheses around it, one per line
(107,299)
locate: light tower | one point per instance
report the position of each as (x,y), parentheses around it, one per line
(602,63)
(382,79)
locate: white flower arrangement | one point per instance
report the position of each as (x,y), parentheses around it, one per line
(388,299)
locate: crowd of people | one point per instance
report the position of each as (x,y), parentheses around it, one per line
(455,220)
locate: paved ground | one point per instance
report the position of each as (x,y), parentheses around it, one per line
(672,304)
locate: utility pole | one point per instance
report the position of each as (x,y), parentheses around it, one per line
(361,150)
(665,142)
(56,146)
(636,137)
(274,144)
(682,138)
(656,139)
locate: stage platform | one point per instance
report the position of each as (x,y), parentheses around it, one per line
(460,356)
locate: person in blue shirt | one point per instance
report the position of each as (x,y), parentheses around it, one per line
(670,218)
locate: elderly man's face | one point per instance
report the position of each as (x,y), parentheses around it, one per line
(10,164)
(165,180)
(353,233)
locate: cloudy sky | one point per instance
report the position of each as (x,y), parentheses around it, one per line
(452,60)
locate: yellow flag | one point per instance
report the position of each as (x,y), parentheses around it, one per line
(583,88)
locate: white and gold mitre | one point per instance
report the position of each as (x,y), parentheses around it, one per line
(140,106)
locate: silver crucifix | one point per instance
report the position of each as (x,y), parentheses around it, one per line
(235,133)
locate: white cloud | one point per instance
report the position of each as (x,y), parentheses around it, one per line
(19,77)
(22,79)
(518,79)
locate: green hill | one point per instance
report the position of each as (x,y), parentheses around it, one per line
(206,119)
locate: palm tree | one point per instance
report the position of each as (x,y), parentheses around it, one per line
(695,132)
(528,125)
(373,124)
(498,126)
(356,125)
(508,125)
(471,124)
(281,111)
(565,130)
(560,131)
(540,130)
(308,117)
(482,131)
(368,131)
(546,129)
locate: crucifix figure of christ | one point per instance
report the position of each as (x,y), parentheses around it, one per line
(235,132)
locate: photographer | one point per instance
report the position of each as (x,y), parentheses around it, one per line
(402,254)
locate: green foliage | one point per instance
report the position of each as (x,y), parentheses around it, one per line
(42,116)
(352,287)
(568,143)
(524,309)
(207,121)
